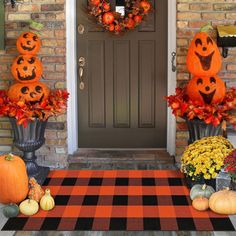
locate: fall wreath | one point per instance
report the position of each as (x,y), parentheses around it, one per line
(135,11)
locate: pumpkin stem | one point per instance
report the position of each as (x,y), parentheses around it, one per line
(204,187)
(47,191)
(207,27)
(9,157)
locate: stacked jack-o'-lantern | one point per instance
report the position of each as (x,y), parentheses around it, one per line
(27,70)
(204,62)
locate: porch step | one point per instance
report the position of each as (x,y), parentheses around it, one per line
(121,159)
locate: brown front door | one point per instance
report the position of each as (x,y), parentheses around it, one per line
(125,79)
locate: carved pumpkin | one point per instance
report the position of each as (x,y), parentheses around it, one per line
(206,89)
(27,69)
(203,58)
(28,43)
(13,179)
(33,92)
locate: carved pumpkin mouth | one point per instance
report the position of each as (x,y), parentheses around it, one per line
(38,101)
(29,77)
(28,48)
(207,97)
(205,60)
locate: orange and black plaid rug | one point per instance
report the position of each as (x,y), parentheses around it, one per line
(120,200)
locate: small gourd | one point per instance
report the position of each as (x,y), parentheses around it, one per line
(200,203)
(29,207)
(11,210)
(47,202)
(199,190)
(35,192)
(223,202)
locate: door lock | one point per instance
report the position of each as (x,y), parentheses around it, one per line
(81,61)
(80,29)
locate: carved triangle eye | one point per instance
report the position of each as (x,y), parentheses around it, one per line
(212,80)
(38,89)
(31,60)
(198,42)
(25,90)
(199,81)
(20,60)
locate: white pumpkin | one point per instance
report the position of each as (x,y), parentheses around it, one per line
(29,207)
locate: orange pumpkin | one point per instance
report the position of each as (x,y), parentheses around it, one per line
(206,89)
(27,69)
(203,58)
(13,179)
(28,43)
(200,203)
(33,92)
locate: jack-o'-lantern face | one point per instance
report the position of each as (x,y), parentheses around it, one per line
(203,57)
(33,92)
(26,69)
(28,43)
(209,90)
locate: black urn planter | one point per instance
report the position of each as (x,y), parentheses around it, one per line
(28,140)
(199,129)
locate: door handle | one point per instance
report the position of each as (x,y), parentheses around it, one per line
(173,54)
(81,83)
(81,72)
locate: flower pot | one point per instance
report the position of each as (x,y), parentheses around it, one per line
(28,140)
(199,129)
(233,185)
(190,183)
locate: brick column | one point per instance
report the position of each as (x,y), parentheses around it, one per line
(53,55)
(191,15)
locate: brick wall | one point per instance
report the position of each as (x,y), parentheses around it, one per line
(52,14)
(191,15)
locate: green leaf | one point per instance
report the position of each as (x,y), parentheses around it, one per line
(207,27)
(36,25)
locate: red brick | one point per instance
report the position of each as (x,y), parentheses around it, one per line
(52,7)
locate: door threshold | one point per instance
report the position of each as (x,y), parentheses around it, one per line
(121,149)
(102,151)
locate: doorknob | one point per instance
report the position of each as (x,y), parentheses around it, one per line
(81,84)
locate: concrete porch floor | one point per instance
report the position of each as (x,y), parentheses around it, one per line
(119,159)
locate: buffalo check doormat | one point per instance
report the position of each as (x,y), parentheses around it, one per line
(119,200)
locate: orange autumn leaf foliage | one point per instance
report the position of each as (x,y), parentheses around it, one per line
(213,114)
(25,111)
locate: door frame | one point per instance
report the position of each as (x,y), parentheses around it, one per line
(71,76)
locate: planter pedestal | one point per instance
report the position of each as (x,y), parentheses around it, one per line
(28,140)
(199,129)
